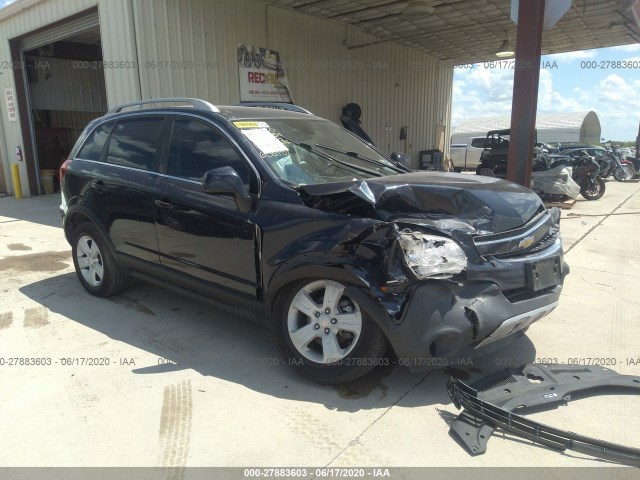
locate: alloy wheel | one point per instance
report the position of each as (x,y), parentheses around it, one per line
(324,324)
(90,262)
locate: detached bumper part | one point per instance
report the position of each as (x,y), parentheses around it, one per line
(491,403)
(449,320)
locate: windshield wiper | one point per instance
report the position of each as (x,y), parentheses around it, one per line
(326,156)
(358,156)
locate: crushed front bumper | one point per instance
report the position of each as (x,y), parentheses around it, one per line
(444,322)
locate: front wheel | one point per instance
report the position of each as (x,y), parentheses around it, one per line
(324,334)
(623,173)
(592,188)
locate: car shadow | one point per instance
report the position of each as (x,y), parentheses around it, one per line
(176,332)
(43,209)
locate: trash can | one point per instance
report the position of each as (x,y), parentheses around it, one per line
(46,179)
(431,160)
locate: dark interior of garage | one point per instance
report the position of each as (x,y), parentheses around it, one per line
(66,91)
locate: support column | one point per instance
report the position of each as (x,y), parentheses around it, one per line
(525,90)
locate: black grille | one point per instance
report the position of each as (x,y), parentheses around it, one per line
(548,240)
(541,232)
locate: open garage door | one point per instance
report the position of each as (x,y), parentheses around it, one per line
(62,88)
(61,31)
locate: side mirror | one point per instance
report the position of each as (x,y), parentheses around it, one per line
(401,158)
(226,181)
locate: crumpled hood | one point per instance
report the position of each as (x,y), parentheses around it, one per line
(445,201)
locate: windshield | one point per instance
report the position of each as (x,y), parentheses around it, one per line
(309,151)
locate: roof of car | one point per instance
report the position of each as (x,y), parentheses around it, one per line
(252,110)
(233,112)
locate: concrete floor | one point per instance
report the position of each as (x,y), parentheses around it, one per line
(188,386)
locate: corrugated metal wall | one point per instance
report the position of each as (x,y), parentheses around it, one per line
(60,85)
(399,87)
(74,121)
(188,47)
(119,44)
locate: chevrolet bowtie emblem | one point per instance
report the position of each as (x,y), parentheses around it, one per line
(526,242)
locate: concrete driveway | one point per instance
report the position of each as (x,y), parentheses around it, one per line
(151,378)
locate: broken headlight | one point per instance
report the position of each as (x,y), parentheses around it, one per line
(431,255)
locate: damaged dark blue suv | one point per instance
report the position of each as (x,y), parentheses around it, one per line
(291,220)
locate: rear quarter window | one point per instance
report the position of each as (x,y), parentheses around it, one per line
(478,142)
(92,148)
(134,142)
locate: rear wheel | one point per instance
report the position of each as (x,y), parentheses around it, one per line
(623,173)
(324,334)
(95,263)
(592,189)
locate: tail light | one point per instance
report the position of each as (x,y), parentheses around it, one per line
(63,169)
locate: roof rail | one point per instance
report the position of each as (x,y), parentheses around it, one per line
(194,102)
(276,106)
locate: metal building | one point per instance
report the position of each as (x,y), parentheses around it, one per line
(576,127)
(65,62)
(83,57)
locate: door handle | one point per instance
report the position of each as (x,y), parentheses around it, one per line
(98,186)
(165,204)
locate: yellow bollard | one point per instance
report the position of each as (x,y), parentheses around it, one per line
(17,187)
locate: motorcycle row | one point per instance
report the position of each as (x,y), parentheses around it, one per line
(558,177)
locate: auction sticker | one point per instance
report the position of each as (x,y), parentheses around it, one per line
(266,141)
(251,124)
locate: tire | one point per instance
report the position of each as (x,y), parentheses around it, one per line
(624,173)
(95,262)
(592,192)
(321,351)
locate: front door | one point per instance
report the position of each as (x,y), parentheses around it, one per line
(204,236)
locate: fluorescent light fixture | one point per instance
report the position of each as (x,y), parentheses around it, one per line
(418,8)
(505,49)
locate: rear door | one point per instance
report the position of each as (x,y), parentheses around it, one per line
(202,236)
(123,185)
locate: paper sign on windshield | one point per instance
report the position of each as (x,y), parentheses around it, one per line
(266,141)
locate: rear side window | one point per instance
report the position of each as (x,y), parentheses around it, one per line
(196,147)
(92,148)
(134,141)
(478,142)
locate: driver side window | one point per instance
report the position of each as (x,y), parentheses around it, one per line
(196,147)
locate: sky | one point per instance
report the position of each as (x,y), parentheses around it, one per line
(597,80)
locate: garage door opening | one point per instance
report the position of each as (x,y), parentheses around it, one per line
(64,90)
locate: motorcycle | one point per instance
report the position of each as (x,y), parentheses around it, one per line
(586,173)
(633,163)
(622,170)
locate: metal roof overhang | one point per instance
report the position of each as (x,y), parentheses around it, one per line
(471,31)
